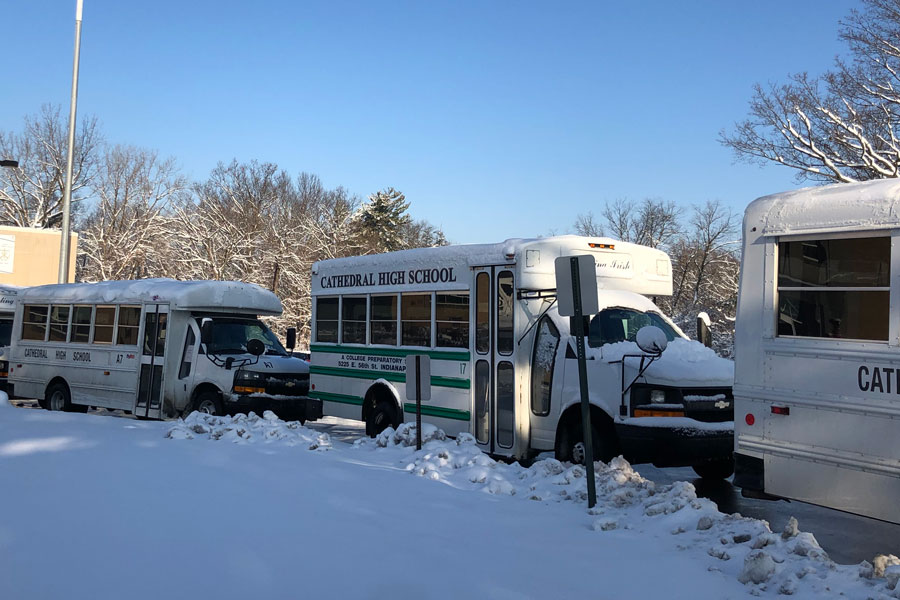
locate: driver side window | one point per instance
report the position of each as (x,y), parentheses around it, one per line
(188,354)
(543,360)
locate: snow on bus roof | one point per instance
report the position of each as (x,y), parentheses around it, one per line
(484,254)
(186,295)
(837,207)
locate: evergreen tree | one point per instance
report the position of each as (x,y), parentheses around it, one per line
(383,220)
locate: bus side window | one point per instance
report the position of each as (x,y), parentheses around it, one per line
(327,320)
(129,323)
(81,324)
(34,322)
(185,369)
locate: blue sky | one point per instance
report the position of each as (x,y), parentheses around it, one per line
(496,119)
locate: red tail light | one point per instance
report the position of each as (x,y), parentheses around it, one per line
(781,410)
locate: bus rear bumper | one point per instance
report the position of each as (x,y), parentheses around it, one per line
(675,446)
(288,408)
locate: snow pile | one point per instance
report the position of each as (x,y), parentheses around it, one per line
(680,357)
(4,400)
(745,549)
(405,435)
(248,429)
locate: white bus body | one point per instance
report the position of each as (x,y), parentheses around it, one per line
(137,346)
(817,348)
(8,295)
(503,362)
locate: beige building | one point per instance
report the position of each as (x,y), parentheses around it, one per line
(30,256)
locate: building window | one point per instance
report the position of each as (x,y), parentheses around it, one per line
(383,322)
(59,323)
(327,320)
(415,314)
(104,323)
(81,324)
(34,322)
(451,318)
(837,288)
(353,320)
(542,362)
(129,323)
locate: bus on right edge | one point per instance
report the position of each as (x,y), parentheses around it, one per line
(817,349)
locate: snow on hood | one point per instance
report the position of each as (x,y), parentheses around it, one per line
(682,360)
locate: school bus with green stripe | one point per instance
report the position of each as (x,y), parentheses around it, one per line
(502,365)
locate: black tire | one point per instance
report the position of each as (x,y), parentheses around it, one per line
(384,415)
(57,397)
(209,403)
(570,447)
(721,468)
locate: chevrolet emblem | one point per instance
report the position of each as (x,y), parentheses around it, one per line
(722,404)
(289,384)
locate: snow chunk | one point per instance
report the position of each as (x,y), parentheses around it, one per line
(758,568)
(248,429)
(4,400)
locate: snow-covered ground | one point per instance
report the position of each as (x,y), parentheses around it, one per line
(253,507)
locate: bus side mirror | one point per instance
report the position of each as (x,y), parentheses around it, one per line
(291,338)
(651,340)
(255,347)
(206,326)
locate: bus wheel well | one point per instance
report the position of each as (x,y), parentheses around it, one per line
(381,409)
(203,388)
(569,431)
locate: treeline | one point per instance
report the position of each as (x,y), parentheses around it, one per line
(704,245)
(138,216)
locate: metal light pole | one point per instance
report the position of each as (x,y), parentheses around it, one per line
(67,194)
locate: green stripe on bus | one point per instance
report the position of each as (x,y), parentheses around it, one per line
(342,398)
(436,381)
(435,354)
(439,411)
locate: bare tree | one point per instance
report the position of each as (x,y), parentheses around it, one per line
(585,224)
(842,126)
(653,222)
(31,195)
(126,234)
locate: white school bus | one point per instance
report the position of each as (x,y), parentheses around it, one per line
(157,348)
(817,345)
(8,295)
(503,364)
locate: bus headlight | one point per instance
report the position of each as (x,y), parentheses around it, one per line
(657,396)
(4,368)
(249,382)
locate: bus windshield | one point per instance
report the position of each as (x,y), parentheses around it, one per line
(622,324)
(230,336)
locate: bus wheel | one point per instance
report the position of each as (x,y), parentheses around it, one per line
(381,417)
(209,403)
(720,468)
(57,397)
(571,443)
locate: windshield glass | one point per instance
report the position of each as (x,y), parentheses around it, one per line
(622,324)
(5,331)
(230,336)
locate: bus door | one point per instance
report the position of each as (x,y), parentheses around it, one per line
(149,399)
(494,359)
